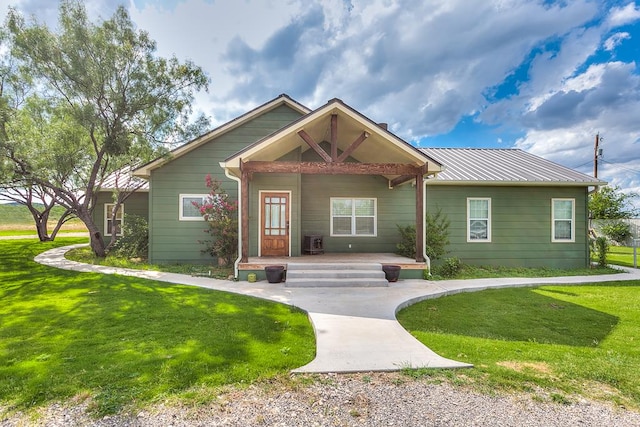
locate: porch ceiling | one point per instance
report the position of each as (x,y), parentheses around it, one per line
(380,146)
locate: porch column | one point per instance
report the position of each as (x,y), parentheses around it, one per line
(244,215)
(419,218)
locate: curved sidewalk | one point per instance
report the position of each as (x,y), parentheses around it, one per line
(356,328)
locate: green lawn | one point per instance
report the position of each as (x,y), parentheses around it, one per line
(563,340)
(122,340)
(622,255)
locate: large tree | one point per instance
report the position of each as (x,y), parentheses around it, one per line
(611,203)
(107,79)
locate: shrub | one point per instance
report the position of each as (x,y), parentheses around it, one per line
(134,242)
(436,235)
(221,216)
(602,246)
(618,231)
(450,267)
(407,245)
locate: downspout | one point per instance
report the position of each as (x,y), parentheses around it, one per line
(239,181)
(424,225)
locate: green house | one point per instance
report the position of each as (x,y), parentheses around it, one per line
(332,181)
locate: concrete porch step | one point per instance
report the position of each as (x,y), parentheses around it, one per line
(333,266)
(323,275)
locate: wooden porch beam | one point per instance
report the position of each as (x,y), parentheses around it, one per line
(401,180)
(320,168)
(355,144)
(334,137)
(309,140)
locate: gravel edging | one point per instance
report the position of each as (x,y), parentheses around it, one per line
(347,400)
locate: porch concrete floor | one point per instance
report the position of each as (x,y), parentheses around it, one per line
(339,258)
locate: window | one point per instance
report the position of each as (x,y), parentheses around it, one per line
(478,220)
(188,211)
(563,220)
(353,217)
(108,219)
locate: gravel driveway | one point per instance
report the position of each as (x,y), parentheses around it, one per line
(380,399)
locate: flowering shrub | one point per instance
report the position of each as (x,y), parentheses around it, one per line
(222,216)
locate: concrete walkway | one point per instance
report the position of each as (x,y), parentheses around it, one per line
(356,328)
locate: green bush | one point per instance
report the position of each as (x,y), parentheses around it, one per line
(407,245)
(618,231)
(450,267)
(436,235)
(602,246)
(134,242)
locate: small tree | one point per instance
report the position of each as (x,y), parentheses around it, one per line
(221,215)
(437,237)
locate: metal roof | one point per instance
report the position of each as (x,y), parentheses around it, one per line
(124,180)
(482,166)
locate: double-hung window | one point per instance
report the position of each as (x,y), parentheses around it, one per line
(353,216)
(478,219)
(188,209)
(563,220)
(109,224)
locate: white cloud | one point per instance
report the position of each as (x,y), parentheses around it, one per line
(624,15)
(419,65)
(615,40)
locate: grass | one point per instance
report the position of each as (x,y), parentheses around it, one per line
(16,220)
(487,272)
(87,256)
(122,341)
(559,340)
(622,255)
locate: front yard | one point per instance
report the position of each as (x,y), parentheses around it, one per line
(122,340)
(119,341)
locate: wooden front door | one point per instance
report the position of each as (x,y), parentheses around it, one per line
(274,226)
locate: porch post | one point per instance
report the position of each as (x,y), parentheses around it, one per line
(244,215)
(419,218)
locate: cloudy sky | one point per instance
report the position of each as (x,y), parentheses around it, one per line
(541,75)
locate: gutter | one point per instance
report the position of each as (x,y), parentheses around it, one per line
(240,207)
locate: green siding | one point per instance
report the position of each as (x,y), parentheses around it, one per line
(136,204)
(177,241)
(521,226)
(394,206)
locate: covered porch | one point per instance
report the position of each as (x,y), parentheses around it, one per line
(333,173)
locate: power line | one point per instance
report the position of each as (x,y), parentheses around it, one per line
(621,167)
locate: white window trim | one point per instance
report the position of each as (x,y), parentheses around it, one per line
(573,220)
(181,216)
(489,225)
(353,217)
(107,217)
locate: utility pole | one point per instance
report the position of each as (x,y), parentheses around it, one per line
(595,156)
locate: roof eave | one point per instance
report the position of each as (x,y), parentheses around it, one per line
(145,170)
(233,162)
(517,183)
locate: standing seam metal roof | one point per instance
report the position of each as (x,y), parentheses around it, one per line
(508,166)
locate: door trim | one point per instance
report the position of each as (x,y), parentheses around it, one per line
(260,192)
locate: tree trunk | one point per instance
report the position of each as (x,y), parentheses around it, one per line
(95,237)
(40,219)
(64,218)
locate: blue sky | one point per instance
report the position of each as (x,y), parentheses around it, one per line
(543,76)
